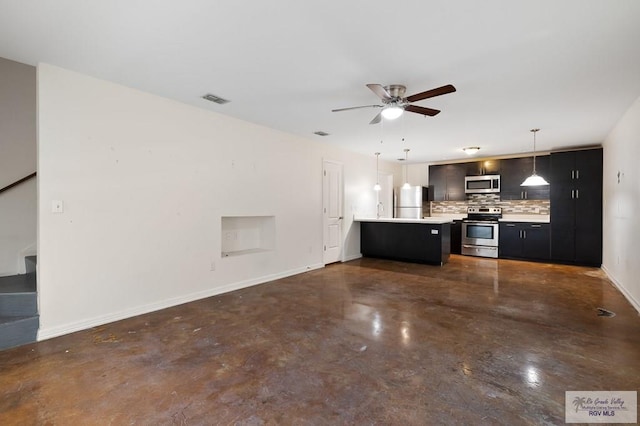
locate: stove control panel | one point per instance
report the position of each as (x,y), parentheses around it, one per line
(484,210)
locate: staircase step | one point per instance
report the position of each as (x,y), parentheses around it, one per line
(25,283)
(17,331)
(30,263)
(18,304)
(18,296)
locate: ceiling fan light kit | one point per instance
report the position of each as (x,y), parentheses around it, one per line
(394,103)
(392,112)
(534,179)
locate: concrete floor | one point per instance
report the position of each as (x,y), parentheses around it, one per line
(478,341)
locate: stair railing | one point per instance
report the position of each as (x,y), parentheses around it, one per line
(18,182)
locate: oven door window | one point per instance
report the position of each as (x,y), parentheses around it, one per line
(481,232)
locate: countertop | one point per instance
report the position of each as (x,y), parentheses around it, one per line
(428,220)
(534,218)
(450,216)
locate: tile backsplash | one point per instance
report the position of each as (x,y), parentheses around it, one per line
(528,207)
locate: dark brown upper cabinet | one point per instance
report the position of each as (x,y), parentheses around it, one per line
(485,167)
(448,181)
(513,171)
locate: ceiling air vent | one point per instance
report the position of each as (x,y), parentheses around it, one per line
(216,99)
(321,133)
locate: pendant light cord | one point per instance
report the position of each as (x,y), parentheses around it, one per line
(534,149)
(406,166)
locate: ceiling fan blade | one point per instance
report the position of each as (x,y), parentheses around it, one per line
(422,110)
(358,107)
(380,91)
(376,119)
(431,93)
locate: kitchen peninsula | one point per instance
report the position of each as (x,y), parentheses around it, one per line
(425,240)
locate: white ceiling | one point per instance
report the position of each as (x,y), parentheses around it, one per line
(569,67)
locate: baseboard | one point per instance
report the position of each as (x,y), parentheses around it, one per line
(48,333)
(352,257)
(624,291)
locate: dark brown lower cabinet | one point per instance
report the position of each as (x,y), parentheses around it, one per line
(456,237)
(524,240)
(410,242)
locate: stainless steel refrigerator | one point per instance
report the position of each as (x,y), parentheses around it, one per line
(407,202)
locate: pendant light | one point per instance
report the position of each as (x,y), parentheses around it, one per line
(377,186)
(534,179)
(406,170)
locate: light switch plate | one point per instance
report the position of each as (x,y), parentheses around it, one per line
(57,206)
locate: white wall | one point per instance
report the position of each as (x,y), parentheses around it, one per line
(145,180)
(17,121)
(418,174)
(17,160)
(621,222)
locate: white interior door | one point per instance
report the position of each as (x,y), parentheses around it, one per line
(332,211)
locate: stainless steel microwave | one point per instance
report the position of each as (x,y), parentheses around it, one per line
(482,184)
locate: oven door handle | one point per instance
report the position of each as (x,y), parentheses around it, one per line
(483,247)
(479,222)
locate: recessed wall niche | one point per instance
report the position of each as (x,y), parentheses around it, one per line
(242,235)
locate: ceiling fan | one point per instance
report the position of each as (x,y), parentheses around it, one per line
(394,102)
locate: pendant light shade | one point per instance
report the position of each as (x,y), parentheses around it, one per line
(377,186)
(534,179)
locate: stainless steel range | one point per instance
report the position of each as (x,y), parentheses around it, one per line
(480,231)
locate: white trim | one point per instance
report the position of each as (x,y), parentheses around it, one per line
(352,257)
(48,333)
(620,287)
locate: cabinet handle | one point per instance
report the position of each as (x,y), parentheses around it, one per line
(526,195)
(511,224)
(577,174)
(577,193)
(536,226)
(524,234)
(573,194)
(520,234)
(573,173)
